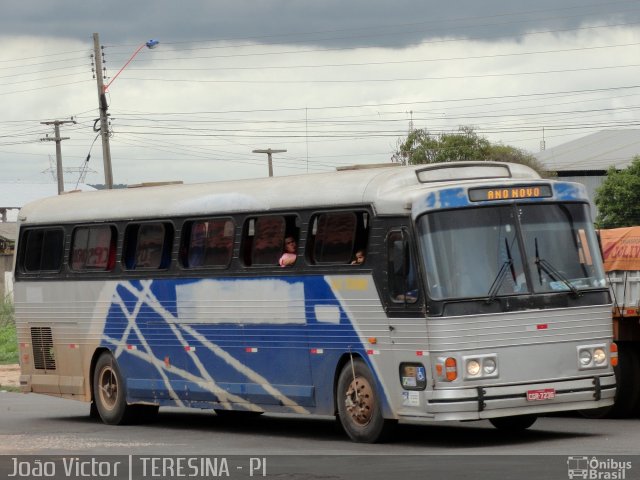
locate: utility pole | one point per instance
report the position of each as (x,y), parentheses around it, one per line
(269,151)
(104,117)
(59,172)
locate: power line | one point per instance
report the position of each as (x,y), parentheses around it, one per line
(382,80)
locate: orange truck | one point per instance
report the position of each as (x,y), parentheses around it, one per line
(621,254)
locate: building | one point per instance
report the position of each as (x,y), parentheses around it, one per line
(587,159)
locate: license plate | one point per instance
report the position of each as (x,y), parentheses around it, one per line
(543,394)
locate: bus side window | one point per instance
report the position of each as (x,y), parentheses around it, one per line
(268,240)
(207,243)
(148,245)
(93,248)
(219,248)
(403,285)
(333,237)
(263,238)
(360,245)
(43,250)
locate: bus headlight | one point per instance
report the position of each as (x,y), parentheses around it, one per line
(473,368)
(599,357)
(480,366)
(592,356)
(489,366)
(585,357)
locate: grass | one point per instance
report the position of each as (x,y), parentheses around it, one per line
(6,388)
(8,339)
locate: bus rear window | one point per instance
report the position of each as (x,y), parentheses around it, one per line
(93,248)
(43,250)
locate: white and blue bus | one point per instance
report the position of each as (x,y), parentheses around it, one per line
(478,293)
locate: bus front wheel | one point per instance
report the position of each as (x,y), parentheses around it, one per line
(359,408)
(513,424)
(109,392)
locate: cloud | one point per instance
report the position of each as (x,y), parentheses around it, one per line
(334,23)
(334,83)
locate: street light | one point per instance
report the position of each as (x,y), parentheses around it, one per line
(151,44)
(102,102)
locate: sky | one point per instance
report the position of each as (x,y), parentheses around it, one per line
(334,83)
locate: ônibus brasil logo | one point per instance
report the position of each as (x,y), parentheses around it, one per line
(593,468)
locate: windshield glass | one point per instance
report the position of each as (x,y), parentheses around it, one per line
(561,247)
(477,252)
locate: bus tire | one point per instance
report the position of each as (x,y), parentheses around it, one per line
(597,413)
(109,391)
(93,411)
(513,424)
(359,406)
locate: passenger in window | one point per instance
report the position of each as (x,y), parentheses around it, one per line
(290,254)
(149,255)
(197,245)
(411,287)
(358,258)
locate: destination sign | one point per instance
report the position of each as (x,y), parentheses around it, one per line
(509,193)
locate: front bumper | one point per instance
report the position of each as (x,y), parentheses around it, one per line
(500,401)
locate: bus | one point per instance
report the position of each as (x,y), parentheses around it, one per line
(479,293)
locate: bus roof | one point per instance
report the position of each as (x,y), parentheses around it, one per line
(390,190)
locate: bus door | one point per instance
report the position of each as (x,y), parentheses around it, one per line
(406,316)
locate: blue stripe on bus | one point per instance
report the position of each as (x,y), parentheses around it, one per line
(445,198)
(569,191)
(266,364)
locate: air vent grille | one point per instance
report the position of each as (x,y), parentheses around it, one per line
(42,342)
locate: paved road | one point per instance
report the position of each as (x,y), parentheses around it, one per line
(36,424)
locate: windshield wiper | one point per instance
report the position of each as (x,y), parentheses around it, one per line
(507,267)
(553,272)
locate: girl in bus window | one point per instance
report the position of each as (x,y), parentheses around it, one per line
(290,254)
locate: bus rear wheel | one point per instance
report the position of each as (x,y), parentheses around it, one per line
(513,424)
(359,408)
(109,391)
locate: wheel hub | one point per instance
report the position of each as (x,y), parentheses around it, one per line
(108,388)
(359,401)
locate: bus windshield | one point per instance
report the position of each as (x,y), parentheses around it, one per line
(510,250)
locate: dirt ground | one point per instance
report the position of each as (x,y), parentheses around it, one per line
(9,375)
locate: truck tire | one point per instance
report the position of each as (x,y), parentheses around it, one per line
(628,382)
(627,399)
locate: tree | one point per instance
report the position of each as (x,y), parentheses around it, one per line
(420,147)
(618,198)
